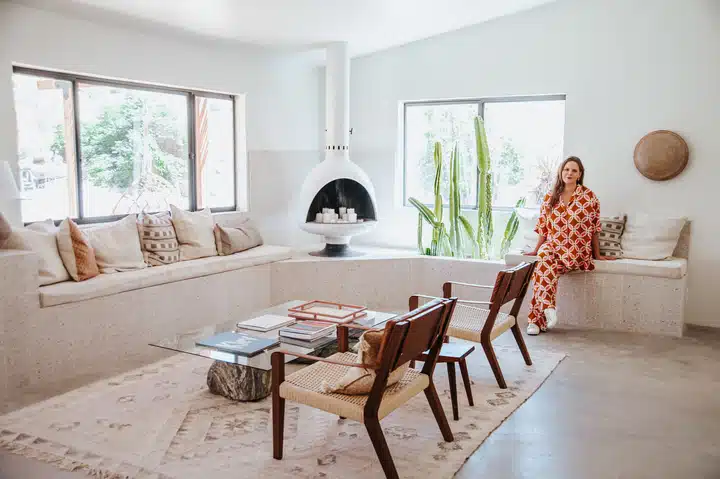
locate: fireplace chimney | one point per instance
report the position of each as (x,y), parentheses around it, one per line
(337,185)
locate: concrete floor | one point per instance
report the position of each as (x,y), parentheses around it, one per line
(620,406)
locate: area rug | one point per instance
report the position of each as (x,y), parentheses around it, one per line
(160,422)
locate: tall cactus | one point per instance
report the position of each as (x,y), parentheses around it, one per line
(485,223)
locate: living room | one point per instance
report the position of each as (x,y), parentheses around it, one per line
(634,354)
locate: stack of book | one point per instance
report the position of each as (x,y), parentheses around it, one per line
(309,334)
(266,323)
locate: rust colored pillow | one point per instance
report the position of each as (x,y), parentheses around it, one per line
(75,250)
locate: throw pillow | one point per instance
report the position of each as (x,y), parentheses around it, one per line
(609,236)
(526,238)
(358,380)
(158,240)
(40,238)
(235,240)
(5,230)
(650,237)
(75,250)
(194,233)
(117,245)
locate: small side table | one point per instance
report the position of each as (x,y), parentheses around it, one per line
(450,354)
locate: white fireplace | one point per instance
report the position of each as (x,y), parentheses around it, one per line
(337,185)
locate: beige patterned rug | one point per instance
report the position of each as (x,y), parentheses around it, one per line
(161,422)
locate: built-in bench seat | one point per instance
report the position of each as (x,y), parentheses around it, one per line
(107,284)
(672,268)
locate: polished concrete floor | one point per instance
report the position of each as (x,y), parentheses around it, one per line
(619,406)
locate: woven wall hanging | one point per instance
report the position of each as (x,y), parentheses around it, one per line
(661,155)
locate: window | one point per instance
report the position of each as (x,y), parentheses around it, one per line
(525,138)
(97,149)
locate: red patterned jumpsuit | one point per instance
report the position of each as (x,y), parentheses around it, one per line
(568,231)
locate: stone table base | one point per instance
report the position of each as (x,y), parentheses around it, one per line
(237,382)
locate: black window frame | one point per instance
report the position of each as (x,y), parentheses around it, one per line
(190,95)
(480,102)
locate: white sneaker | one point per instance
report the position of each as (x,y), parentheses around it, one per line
(551,317)
(533,329)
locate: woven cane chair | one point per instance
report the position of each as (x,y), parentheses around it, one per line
(420,330)
(484,325)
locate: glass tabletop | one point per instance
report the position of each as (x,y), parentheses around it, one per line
(185,342)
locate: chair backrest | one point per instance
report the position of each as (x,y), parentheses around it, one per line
(511,284)
(408,336)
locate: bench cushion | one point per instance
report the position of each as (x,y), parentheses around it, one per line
(107,284)
(672,268)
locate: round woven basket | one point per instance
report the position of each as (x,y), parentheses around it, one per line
(661,155)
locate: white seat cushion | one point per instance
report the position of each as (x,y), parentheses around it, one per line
(672,268)
(107,284)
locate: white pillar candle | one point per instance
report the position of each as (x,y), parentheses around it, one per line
(352,217)
(319,218)
(343,210)
(350,210)
(345,216)
(327,217)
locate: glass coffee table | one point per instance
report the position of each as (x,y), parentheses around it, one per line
(244,378)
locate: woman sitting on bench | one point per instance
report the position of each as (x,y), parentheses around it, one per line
(568,226)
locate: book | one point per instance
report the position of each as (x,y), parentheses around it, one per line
(307,330)
(238,343)
(266,322)
(315,344)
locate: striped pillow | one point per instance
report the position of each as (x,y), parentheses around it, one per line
(158,239)
(612,230)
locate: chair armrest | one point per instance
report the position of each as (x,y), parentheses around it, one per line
(483,286)
(323,360)
(467,301)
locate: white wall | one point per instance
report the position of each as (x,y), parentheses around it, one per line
(283,119)
(627,67)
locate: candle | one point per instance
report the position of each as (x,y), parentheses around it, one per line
(350,210)
(319,218)
(352,217)
(343,210)
(327,217)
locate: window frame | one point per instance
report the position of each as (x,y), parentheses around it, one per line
(480,102)
(190,96)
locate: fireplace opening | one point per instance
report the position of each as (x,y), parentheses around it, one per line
(343,192)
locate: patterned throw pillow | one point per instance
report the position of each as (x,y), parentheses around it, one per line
(158,240)
(612,230)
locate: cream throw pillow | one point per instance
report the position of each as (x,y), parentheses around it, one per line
(650,237)
(234,240)
(5,230)
(117,245)
(76,253)
(359,380)
(40,239)
(526,238)
(194,233)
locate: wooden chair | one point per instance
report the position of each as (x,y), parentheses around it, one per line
(406,338)
(480,325)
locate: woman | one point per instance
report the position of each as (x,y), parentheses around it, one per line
(568,226)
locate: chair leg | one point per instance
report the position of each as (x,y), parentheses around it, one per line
(466,381)
(453,390)
(381,448)
(494,364)
(438,412)
(278,412)
(521,344)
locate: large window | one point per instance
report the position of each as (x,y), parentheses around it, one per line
(96,149)
(525,138)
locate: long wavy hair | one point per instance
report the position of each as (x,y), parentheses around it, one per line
(560,184)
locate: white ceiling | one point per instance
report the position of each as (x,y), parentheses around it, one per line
(367,25)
